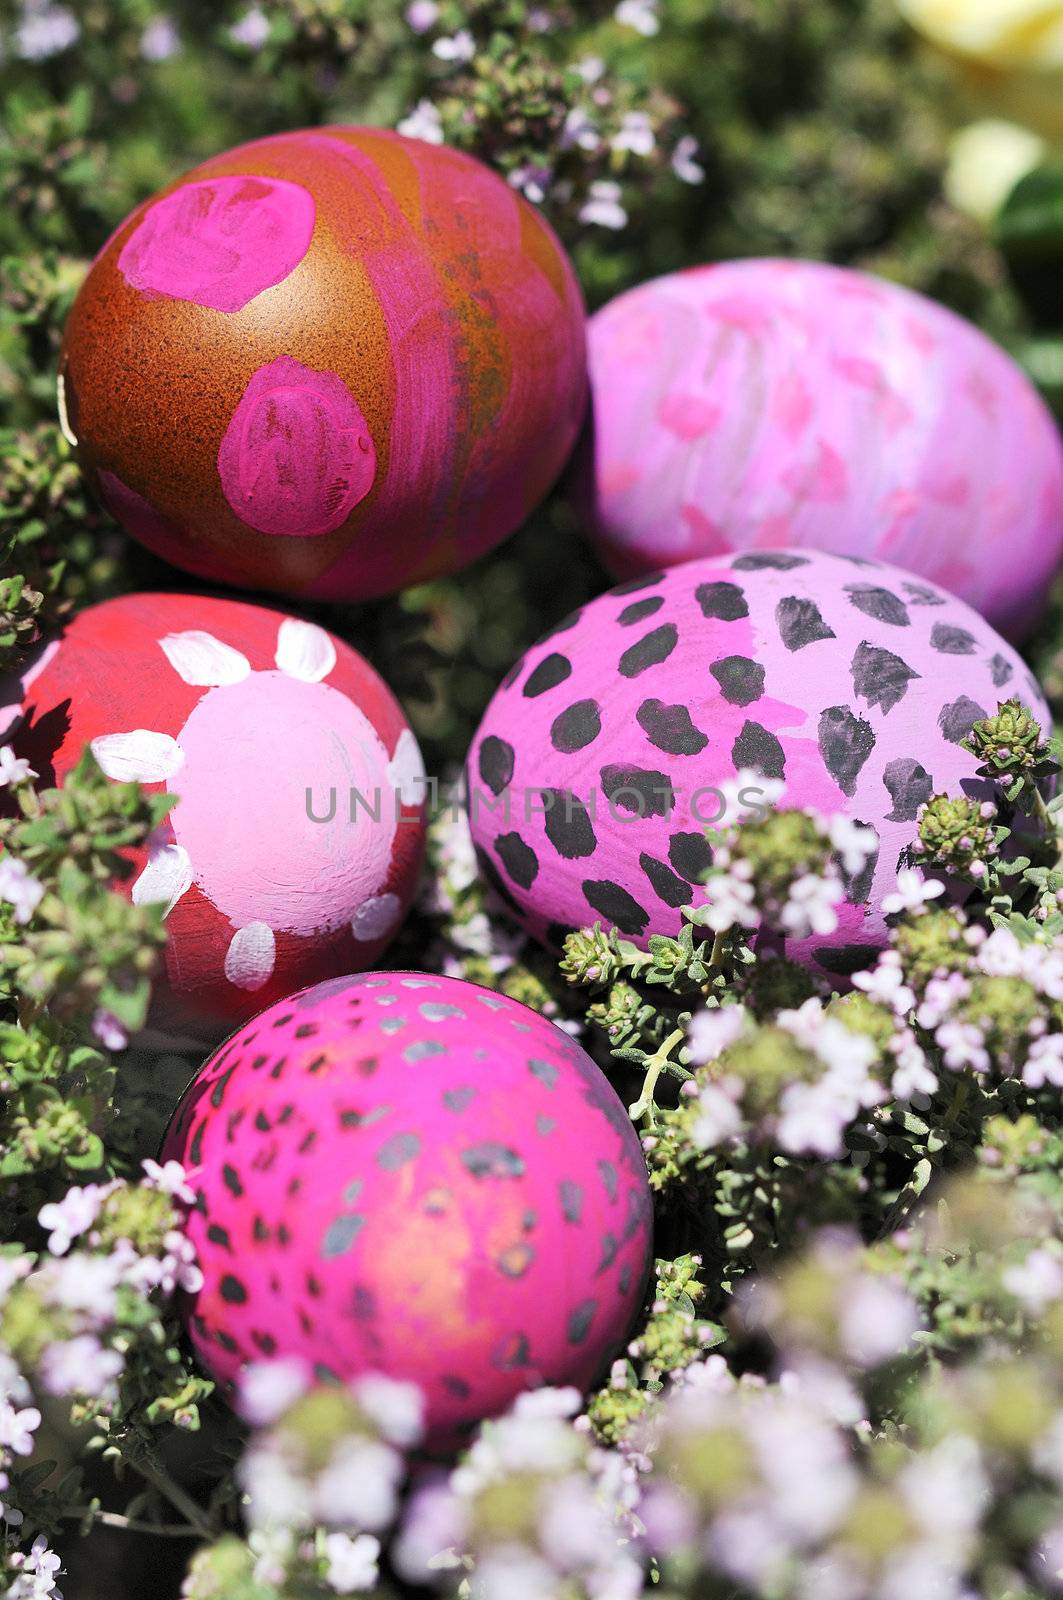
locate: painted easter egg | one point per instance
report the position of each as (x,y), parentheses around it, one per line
(758,404)
(296,841)
(411,1175)
(328,363)
(602,758)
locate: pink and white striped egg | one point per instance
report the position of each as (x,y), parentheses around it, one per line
(407,1174)
(295,845)
(756,404)
(618,740)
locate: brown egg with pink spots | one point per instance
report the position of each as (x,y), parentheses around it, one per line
(330,363)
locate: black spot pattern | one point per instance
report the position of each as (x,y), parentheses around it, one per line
(670,728)
(492,1160)
(845,742)
(957,720)
(919,595)
(615,904)
(568,825)
(666,886)
(723,601)
(800,623)
(690,855)
(909,786)
(882,604)
(518,858)
(633,585)
(649,651)
(232,1290)
(551,671)
(637,791)
(777,560)
(741,680)
(1001,669)
(571,1196)
(880,677)
(846,959)
(952,641)
(574,728)
(579,1321)
(496,763)
(639,610)
(564,626)
(759,749)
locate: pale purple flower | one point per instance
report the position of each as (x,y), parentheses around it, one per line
(719,1113)
(81,1365)
(1044,1062)
(876,1321)
(460,46)
(711,1032)
(685,164)
(510,1572)
(108,1030)
(532,181)
(730,899)
(809,905)
(360,1486)
(269,1388)
(885,984)
(423,122)
(962,1044)
(252,30)
(171,1178)
(18,1427)
(422,15)
(602,208)
(635,134)
(67,1219)
(20,888)
(913,892)
(45,30)
(352,1563)
(1037,1281)
(160,40)
(84,1283)
(397,1408)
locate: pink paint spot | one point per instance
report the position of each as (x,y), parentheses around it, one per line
(621,477)
(857,369)
(824,479)
(221,241)
(687,415)
(141,517)
(711,540)
(297,456)
(792,405)
(950,489)
(742,312)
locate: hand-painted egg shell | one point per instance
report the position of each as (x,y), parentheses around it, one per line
(761,404)
(328,363)
(410,1175)
(852,682)
(265,726)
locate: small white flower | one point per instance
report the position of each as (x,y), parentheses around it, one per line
(634,134)
(424,123)
(809,905)
(853,843)
(360,1486)
(533,182)
(913,892)
(885,984)
(252,30)
(81,1365)
(876,1321)
(729,900)
(1037,1281)
(45,31)
(13,769)
(640,15)
(602,208)
(719,1113)
(579,132)
(963,1045)
(160,40)
(684,161)
(171,1178)
(591,69)
(422,15)
(269,1388)
(711,1032)
(396,1408)
(1044,1063)
(18,1427)
(460,46)
(67,1219)
(352,1563)
(20,888)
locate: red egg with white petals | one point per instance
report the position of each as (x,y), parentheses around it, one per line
(293,849)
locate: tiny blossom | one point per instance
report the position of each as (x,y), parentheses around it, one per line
(352,1563)
(579,131)
(913,892)
(460,46)
(171,1178)
(396,1408)
(809,906)
(45,31)
(711,1032)
(422,15)
(885,984)
(269,1388)
(602,208)
(360,1486)
(424,123)
(533,182)
(84,1283)
(876,1320)
(81,1365)
(684,161)
(1037,1281)
(20,888)
(854,843)
(252,29)
(635,134)
(719,1115)
(963,1045)
(67,1219)
(730,900)
(735,795)
(591,68)
(160,40)
(108,1030)
(640,15)
(1044,1062)
(13,769)
(18,1427)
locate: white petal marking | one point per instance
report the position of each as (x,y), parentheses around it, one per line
(406,770)
(377,918)
(165,878)
(141,756)
(202,660)
(251,955)
(64,421)
(304,650)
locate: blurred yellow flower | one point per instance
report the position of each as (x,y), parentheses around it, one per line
(1000,33)
(986,161)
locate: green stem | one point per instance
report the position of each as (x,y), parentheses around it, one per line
(656,1064)
(189,1508)
(115,1519)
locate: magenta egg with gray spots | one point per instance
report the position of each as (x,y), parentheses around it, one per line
(407,1174)
(757,404)
(604,756)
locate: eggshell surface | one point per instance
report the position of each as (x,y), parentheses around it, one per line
(329,363)
(602,758)
(295,844)
(408,1174)
(760,404)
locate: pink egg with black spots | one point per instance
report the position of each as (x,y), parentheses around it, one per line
(607,751)
(295,844)
(761,404)
(408,1174)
